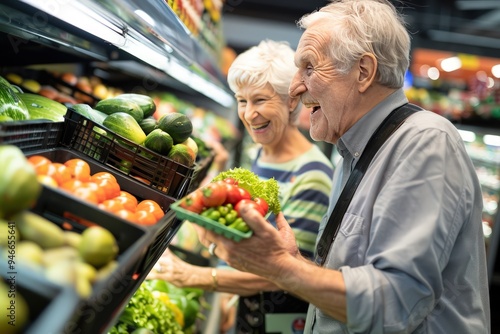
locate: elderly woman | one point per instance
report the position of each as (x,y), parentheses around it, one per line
(260,79)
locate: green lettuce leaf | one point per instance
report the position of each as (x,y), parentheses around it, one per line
(268,189)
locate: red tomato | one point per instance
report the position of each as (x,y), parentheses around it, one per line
(236,194)
(263,204)
(230,180)
(214,194)
(250,202)
(192,202)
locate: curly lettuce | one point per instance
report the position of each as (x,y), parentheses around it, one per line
(268,189)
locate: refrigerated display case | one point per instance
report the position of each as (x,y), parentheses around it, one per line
(483,146)
(141,44)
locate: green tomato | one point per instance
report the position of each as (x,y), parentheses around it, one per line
(231,217)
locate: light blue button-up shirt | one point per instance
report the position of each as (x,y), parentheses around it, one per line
(410,247)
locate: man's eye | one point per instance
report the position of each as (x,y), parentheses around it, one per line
(309,69)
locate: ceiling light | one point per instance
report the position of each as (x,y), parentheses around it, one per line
(467,136)
(433,73)
(495,70)
(451,64)
(491,140)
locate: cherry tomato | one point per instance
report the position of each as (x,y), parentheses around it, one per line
(230,180)
(249,202)
(234,194)
(214,194)
(193,202)
(262,203)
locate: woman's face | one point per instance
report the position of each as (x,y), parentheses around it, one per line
(264,114)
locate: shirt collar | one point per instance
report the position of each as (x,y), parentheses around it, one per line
(356,138)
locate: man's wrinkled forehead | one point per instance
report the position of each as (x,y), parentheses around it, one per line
(314,39)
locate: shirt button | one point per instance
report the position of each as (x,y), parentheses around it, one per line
(356,154)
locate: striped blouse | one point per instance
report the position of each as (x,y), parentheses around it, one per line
(304,187)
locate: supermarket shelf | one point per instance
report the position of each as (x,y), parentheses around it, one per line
(113,31)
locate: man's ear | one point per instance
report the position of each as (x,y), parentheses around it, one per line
(292,103)
(367,66)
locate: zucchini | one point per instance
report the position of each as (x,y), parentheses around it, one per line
(177,125)
(146,103)
(115,105)
(85,110)
(41,107)
(126,126)
(11,104)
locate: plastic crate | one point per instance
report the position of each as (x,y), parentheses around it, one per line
(32,134)
(141,191)
(44,299)
(109,298)
(97,142)
(200,171)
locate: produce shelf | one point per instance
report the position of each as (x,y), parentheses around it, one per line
(141,245)
(32,134)
(124,156)
(44,299)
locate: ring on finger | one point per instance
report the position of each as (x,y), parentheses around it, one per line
(158,268)
(211,248)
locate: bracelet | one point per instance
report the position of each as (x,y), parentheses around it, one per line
(214,279)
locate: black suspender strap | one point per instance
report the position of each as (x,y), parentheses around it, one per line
(390,124)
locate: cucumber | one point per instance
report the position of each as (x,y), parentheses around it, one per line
(85,110)
(126,126)
(115,104)
(41,107)
(146,103)
(177,125)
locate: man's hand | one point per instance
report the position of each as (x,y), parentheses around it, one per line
(262,252)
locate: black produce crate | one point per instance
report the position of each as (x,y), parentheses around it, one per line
(44,298)
(160,232)
(108,295)
(200,171)
(109,299)
(103,145)
(31,135)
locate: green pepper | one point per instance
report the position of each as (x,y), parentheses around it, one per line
(235,222)
(222,221)
(191,312)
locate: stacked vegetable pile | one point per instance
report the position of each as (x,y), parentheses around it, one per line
(18,106)
(63,256)
(160,307)
(131,116)
(222,199)
(101,188)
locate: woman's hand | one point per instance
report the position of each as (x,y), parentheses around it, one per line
(172,269)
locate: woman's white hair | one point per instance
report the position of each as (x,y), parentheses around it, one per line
(269,62)
(361,26)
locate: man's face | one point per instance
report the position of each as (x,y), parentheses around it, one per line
(331,94)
